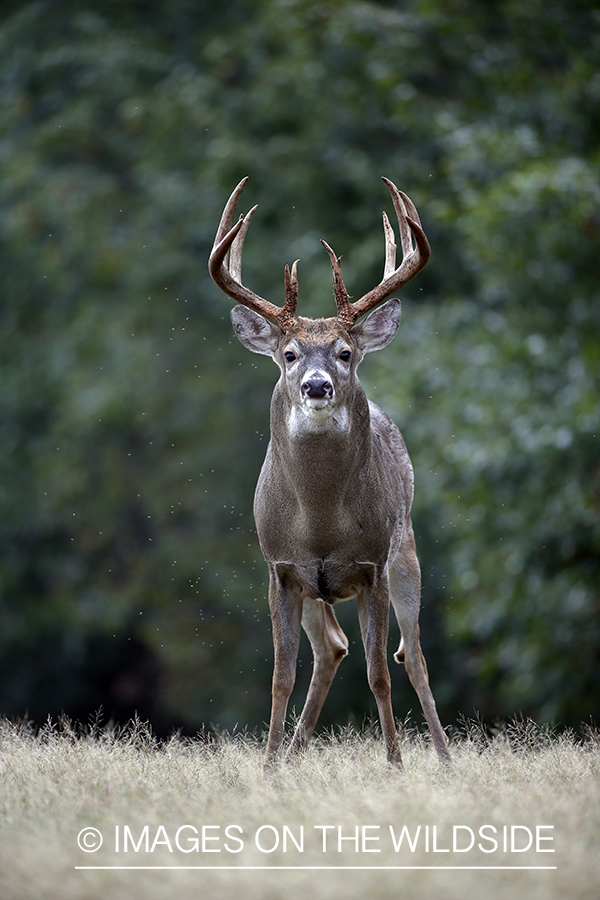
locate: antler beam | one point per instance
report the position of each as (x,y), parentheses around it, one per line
(225,266)
(413,260)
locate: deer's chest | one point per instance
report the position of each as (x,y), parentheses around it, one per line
(326,546)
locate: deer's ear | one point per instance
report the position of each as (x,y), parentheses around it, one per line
(377,330)
(254,331)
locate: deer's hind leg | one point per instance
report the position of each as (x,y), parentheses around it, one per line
(405,594)
(329,646)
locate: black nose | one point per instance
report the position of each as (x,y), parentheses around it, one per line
(317,388)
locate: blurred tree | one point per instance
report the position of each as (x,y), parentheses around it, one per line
(510,433)
(133,428)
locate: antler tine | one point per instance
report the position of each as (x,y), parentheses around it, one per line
(410,207)
(402,216)
(345,314)
(291,293)
(413,258)
(235,253)
(390,248)
(229,241)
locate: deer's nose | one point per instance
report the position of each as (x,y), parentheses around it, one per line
(316,387)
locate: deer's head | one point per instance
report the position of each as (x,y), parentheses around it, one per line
(318,357)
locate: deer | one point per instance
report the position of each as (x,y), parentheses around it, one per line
(333,501)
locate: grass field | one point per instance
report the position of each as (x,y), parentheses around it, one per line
(342,824)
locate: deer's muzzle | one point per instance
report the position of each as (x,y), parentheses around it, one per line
(317,387)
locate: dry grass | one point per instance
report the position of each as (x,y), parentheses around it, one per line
(56,782)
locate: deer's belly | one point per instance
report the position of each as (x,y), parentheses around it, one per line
(327,579)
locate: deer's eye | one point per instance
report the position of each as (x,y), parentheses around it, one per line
(345,356)
(289,356)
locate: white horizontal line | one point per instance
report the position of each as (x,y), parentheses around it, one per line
(321,868)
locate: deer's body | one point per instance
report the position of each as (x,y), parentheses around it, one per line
(333,499)
(317,506)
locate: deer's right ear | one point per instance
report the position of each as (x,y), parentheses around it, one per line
(254,331)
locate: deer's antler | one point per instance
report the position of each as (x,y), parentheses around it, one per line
(225,263)
(413,260)
(225,266)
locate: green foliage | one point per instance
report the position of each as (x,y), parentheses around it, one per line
(132,425)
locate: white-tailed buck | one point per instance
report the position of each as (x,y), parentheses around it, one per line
(333,499)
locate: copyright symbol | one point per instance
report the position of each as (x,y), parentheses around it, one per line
(89,840)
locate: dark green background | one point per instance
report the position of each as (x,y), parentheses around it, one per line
(133,425)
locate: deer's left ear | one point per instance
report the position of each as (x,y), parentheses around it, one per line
(377,330)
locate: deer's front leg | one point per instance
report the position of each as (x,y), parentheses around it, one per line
(286,615)
(373,615)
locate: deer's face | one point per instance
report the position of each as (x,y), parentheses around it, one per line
(318,360)
(317,357)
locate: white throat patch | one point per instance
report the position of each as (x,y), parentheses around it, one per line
(317,415)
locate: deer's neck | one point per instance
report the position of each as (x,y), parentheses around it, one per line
(320,453)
